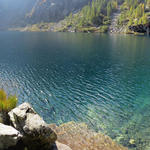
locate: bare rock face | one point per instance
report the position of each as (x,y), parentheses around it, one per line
(8,136)
(36,133)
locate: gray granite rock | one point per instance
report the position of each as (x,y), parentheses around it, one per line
(9,136)
(36,133)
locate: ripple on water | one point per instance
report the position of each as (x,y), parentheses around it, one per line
(107,85)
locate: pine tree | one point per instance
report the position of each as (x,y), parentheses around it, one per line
(109,9)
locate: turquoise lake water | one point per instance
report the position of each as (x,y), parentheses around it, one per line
(102,80)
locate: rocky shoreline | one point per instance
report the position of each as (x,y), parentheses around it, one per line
(28,131)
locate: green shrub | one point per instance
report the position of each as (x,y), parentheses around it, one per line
(7,103)
(103,29)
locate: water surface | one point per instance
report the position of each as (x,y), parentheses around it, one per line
(103,80)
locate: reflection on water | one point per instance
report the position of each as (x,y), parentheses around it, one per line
(103,80)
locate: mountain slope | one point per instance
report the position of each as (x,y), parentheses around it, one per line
(93,17)
(73,15)
(97,16)
(12,12)
(53,10)
(23,12)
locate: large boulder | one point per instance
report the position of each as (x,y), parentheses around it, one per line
(9,136)
(36,133)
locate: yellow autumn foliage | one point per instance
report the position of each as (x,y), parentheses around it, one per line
(7,102)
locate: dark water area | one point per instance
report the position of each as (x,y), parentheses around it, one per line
(102,80)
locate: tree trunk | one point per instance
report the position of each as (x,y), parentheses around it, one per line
(147,31)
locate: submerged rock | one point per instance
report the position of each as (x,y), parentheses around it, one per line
(36,133)
(79,137)
(60,146)
(8,136)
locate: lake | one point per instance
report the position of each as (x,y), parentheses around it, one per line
(102,80)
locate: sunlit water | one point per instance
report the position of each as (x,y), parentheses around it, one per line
(103,80)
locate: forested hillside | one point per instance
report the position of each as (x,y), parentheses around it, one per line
(96,16)
(73,15)
(134,12)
